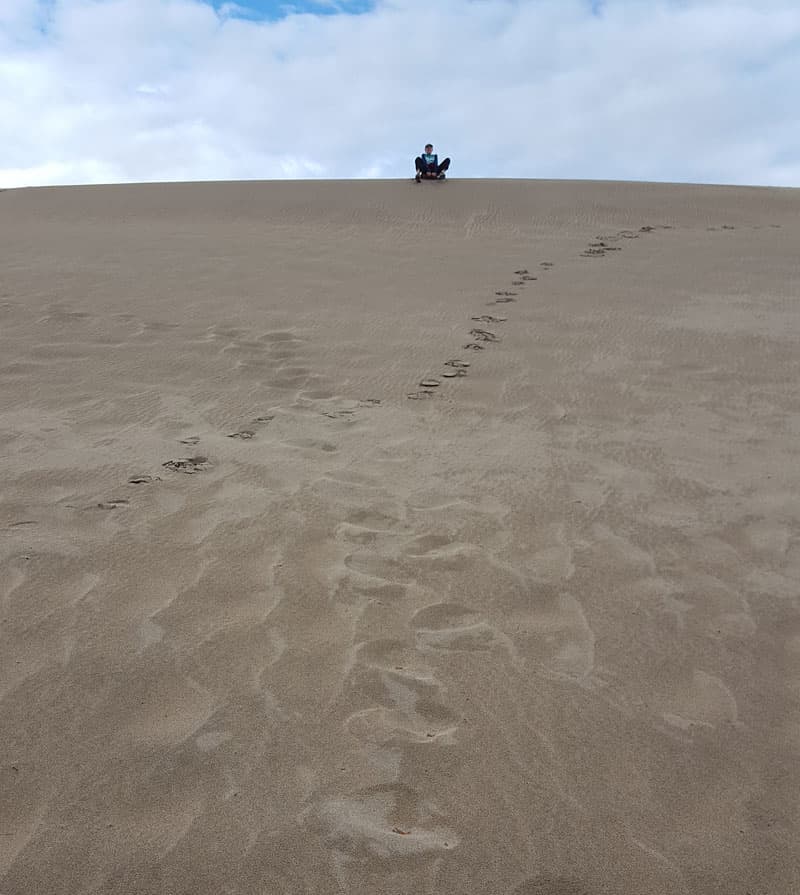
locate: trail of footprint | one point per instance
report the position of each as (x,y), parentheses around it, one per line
(407,706)
(479,336)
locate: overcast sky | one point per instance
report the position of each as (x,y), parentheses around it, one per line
(140,90)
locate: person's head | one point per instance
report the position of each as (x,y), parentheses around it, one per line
(428,148)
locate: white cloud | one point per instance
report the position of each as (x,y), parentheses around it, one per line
(135,90)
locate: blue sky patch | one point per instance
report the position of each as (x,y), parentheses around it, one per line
(279,9)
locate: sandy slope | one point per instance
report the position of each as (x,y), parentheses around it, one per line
(535,633)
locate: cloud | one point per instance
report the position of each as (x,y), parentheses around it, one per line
(148,90)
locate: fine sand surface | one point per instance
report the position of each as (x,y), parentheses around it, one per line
(271,627)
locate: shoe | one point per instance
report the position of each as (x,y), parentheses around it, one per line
(419,176)
(441,176)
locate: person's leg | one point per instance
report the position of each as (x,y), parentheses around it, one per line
(444,166)
(419,164)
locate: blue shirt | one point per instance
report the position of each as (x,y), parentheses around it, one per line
(429,159)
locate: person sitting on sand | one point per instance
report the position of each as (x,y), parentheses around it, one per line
(428,166)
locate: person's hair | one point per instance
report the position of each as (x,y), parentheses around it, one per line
(429,145)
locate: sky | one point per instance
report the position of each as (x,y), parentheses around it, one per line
(108,91)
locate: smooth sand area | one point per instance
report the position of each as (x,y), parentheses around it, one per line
(268,626)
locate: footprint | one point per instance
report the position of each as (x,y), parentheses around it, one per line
(427,544)
(546,264)
(313,444)
(474,346)
(556,636)
(487,318)
(430,383)
(188,465)
(521,273)
(703,702)
(113,503)
(339,414)
(412,691)
(518,282)
(421,395)
(191,439)
(459,364)
(266,418)
(143,479)
(483,335)
(450,626)
(390,654)
(453,374)
(389,727)
(369,402)
(504,300)
(506,294)
(647,229)
(277,336)
(244,434)
(371,564)
(390,822)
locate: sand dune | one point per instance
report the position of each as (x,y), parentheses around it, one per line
(393,538)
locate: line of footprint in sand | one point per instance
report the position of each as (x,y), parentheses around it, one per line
(458,367)
(406,709)
(480,337)
(604,244)
(395,701)
(198,463)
